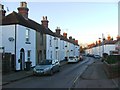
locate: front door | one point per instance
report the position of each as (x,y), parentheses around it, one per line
(22,59)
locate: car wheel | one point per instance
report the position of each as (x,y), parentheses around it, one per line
(51,72)
(59,69)
(33,74)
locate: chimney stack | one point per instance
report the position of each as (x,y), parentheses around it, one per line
(65,35)
(58,31)
(23,10)
(76,41)
(73,40)
(2,11)
(45,22)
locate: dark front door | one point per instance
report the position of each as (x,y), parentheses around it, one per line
(22,59)
(13,62)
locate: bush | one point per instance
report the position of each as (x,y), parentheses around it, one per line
(112,59)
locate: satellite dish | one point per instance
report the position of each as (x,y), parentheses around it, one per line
(11,39)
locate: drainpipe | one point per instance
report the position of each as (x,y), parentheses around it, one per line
(15,45)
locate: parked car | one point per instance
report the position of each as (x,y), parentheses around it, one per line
(47,67)
(90,55)
(77,57)
(97,57)
(72,59)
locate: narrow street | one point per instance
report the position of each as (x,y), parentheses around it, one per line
(64,79)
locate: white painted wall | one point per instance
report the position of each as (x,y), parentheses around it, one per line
(108,48)
(76,50)
(1,50)
(50,49)
(62,50)
(8,31)
(66,53)
(0,36)
(71,49)
(21,43)
(99,50)
(57,51)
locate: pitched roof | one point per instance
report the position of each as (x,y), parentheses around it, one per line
(65,39)
(48,31)
(16,18)
(110,42)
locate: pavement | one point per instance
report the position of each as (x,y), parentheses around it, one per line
(15,76)
(95,77)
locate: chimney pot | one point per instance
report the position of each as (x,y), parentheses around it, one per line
(65,35)
(23,4)
(45,22)
(73,39)
(76,41)
(23,10)
(2,11)
(58,30)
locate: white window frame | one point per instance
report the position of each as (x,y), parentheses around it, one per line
(27,35)
(50,41)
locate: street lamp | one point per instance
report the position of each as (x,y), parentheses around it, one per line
(103,39)
(99,46)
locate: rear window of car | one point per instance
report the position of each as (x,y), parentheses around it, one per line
(71,57)
(46,62)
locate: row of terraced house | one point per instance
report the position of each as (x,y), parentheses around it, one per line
(28,40)
(111,47)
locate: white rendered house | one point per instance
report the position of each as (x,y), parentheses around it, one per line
(19,37)
(20,41)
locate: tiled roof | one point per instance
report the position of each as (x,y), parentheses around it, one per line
(48,31)
(16,18)
(65,39)
(110,42)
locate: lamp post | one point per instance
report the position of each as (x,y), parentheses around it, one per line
(99,46)
(103,39)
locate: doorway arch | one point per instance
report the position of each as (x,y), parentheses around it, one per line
(22,59)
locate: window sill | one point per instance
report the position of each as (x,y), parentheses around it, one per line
(27,42)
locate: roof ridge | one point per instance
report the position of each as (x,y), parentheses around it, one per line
(15,13)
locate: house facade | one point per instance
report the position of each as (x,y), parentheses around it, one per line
(23,47)
(107,47)
(20,37)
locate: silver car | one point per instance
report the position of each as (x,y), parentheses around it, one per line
(72,59)
(46,67)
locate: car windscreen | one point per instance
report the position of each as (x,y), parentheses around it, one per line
(71,57)
(46,62)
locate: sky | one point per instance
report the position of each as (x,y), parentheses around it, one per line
(84,21)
